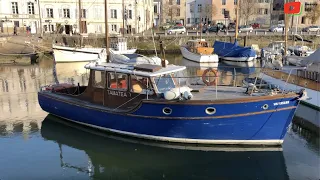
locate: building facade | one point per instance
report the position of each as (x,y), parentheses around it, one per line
(157,12)
(173,11)
(19,13)
(303,20)
(63,15)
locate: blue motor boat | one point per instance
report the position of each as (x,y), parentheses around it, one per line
(234,52)
(146,101)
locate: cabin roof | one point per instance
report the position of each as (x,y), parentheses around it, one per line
(197,40)
(155,70)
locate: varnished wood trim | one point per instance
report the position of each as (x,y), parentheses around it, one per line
(293,79)
(213,117)
(223,101)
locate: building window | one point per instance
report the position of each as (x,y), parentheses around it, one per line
(170,12)
(199,7)
(14,6)
(49,13)
(170,2)
(155,9)
(259,11)
(30,8)
(235,2)
(130,14)
(309,6)
(266,11)
(261,1)
(114,13)
(223,10)
(114,27)
(83,13)
(224,2)
(303,20)
(191,8)
(188,20)
(178,11)
(66,13)
(178,2)
(266,1)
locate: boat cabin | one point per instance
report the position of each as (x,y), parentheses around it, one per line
(120,86)
(199,46)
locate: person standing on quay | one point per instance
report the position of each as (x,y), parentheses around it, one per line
(15,30)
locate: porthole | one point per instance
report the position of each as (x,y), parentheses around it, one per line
(265,107)
(167,111)
(306,84)
(210,110)
(293,80)
(282,77)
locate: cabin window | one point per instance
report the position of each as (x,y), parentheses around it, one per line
(118,81)
(99,79)
(141,85)
(164,83)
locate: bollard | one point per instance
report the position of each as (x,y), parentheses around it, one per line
(197,33)
(309,32)
(265,32)
(176,33)
(187,33)
(247,33)
(142,33)
(165,33)
(256,32)
(227,33)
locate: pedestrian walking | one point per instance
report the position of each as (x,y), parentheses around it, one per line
(15,30)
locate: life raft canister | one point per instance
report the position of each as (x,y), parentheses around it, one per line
(204,76)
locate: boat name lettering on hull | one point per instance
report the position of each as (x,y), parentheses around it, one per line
(281,103)
(118,93)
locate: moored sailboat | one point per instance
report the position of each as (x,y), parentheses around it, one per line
(199,51)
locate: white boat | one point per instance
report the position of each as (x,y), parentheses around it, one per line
(199,51)
(300,50)
(74,54)
(133,58)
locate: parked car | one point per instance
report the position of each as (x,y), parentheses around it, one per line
(211,29)
(232,26)
(311,29)
(255,25)
(245,28)
(278,28)
(166,26)
(178,24)
(177,29)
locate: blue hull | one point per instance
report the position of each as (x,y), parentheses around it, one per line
(233,123)
(233,50)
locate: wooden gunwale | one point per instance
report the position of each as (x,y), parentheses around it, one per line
(293,79)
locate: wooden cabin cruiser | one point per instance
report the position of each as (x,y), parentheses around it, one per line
(199,51)
(147,101)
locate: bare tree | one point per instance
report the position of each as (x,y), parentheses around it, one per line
(247,8)
(209,11)
(314,13)
(169,10)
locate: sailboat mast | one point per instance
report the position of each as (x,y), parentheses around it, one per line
(80,27)
(286,23)
(123,14)
(237,20)
(106,28)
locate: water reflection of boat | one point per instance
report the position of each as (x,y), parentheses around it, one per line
(203,65)
(241,67)
(140,161)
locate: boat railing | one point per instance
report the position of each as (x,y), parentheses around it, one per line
(254,82)
(311,75)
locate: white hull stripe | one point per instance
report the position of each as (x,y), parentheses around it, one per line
(185,140)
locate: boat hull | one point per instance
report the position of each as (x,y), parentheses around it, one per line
(232,124)
(213,58)
(69,54)
(238,59)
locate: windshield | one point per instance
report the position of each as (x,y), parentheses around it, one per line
(164,83)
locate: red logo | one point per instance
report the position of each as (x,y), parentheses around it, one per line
(292,8)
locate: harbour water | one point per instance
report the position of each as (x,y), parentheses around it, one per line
(35,145)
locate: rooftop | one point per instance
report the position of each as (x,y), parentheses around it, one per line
(141,69)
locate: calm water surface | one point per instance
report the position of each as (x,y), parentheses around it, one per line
(35,145)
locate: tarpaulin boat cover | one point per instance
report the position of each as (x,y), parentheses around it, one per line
(313,58)
(225,49)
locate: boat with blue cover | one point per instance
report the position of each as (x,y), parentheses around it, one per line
(234,52)
(147,101)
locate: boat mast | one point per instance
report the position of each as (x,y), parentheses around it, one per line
(106,28)
(123,14)
(80,27)
(286,23)
(200,26)
(237,20)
